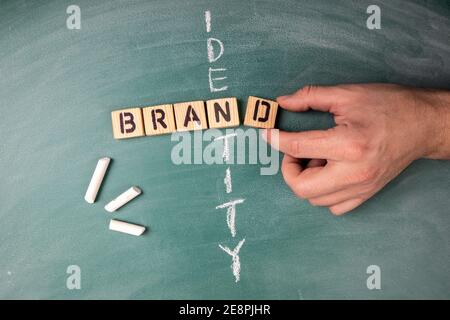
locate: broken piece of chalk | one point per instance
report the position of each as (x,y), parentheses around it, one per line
(125,197)
(125,227)
(96,180)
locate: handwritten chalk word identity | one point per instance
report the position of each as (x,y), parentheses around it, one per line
(73,21)
(213,107)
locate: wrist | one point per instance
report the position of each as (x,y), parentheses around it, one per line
(438,122)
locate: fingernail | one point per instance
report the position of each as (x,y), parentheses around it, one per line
(283,97)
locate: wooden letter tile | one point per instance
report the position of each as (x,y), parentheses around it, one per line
(190,115)
(159,119)
(127,123)
(222,113)
(260,113)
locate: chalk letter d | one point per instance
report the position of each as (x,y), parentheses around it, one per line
(211,57)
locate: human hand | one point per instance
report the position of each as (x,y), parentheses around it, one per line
(380,129)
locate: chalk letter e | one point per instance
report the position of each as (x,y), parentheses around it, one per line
(374,280)
(212,79)
(74,280)
(74,20)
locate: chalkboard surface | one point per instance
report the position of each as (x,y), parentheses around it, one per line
(58,87)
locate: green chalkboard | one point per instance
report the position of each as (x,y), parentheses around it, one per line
(59,85)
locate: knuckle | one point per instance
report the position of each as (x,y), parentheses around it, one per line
(294,147)
(368,189)
(307,90)
(355,150)
(367,175)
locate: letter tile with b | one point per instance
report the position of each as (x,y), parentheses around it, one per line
(127,123)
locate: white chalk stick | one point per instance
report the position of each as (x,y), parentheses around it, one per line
(125,197)
(96,180)
(125,227)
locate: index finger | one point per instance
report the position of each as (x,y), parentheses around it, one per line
(321,98)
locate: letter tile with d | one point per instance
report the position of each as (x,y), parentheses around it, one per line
(261,113)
